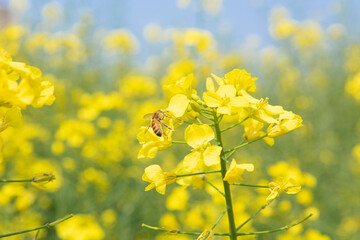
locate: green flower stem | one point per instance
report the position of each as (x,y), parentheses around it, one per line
(252,216)
(219,219)
(220,118)
(47,225)
(207,111)
(198,119)
(250,185)
(235,125)
(232,153)
(243,145)
(178,231)
(178,142)
(208,118)
(16,181)
(277,229)
(197,173)
(232,227)
(214,186)
(187,122)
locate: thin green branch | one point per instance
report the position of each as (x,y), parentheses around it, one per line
(220,118)
(178,142)
(47,225)
(161,229)
(207,111)
(187,122)
(198,119)
(235,125)
(223,213)
(197,173)
(15,181)
(214,186)
(252,216)
(250,185)
(245,144)
(277,229)
(208,118)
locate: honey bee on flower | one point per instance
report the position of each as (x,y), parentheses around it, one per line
(156,122)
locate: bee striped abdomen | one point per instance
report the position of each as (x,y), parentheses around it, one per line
(156,126)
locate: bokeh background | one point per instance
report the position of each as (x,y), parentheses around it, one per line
(108,61)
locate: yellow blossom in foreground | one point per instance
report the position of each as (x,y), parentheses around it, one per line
(225,100)
(151,143)
(236,170)
(261,110)
(10,117)
(288,121)
(199,137)
(178,105)
(238,78)
(181,86)
(22,85)
(206,235)
(157,178)
(287,186)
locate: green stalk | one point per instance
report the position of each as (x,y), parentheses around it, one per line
(214,186)
(232,226)
(250,185)
(277,229)
(197,173)
(15,181)
(169,231)
(47,225)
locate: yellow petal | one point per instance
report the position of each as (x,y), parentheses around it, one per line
(274,194)
(249,97)
(191,160)
(198,135)
(223,110)
(246,166)
(210,86)
(273,110)
(178,105)
(239,102)
(212,155)
(211,99)
(13,117)
(219,80)
(226,91)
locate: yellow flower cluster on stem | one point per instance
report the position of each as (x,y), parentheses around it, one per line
(204,135)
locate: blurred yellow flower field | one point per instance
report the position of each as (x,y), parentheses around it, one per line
(250,140)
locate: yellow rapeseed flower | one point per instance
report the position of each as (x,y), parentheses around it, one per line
(236,170)
(261,110)
(157,178)
(199,137)
(11,117)
(151,143)
(225,100)
(286,186)
(287,122)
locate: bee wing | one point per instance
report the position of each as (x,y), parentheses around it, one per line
(147,116)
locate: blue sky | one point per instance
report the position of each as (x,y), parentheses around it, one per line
(241,17)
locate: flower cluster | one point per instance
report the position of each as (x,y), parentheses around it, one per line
(20,85)
(229,100)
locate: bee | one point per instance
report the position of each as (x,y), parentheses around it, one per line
(156,122)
